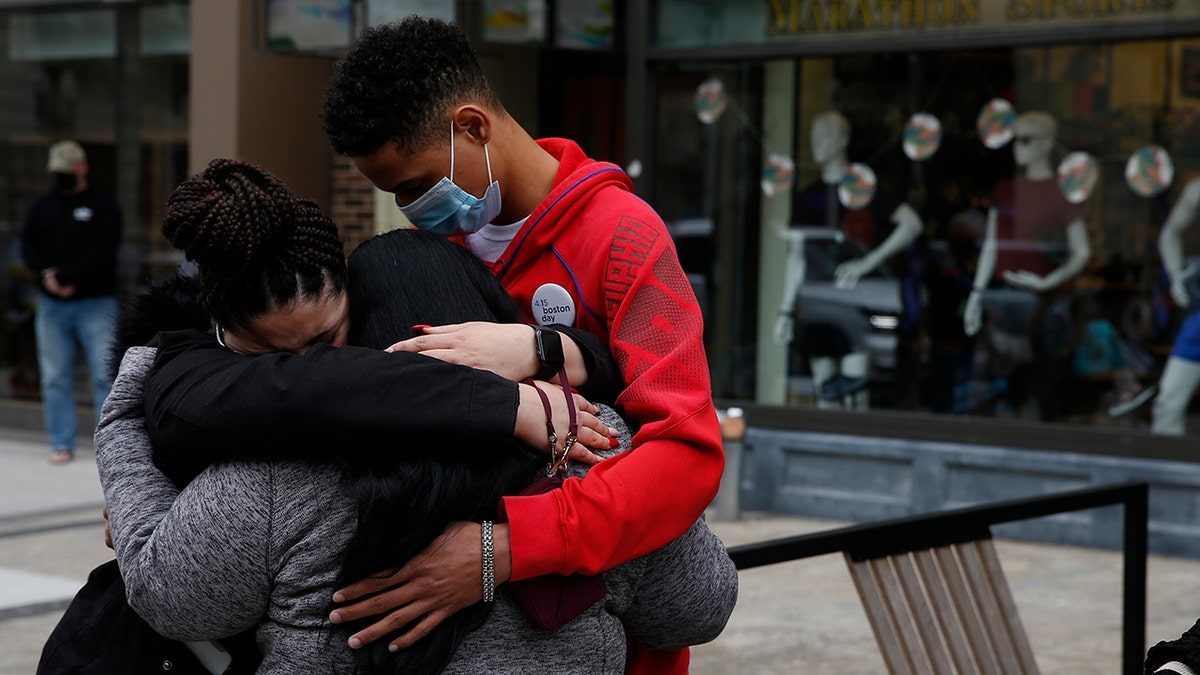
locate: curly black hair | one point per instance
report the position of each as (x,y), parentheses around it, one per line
(398,83)
(257,244)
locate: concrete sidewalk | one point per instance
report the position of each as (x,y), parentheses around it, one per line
(51,536)
(799,617)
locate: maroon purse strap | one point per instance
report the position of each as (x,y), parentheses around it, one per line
(573,424)
(558,461)
(551,435)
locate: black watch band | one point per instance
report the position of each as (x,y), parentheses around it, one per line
(549,352)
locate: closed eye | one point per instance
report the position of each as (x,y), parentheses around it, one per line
(401,191)
(325,337)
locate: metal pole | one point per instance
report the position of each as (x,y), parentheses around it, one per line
(1133,635)
(128,131)
(638,103)
(733,426)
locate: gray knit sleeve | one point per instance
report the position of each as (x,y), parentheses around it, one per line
(685,593)
(194,568)
(679,595)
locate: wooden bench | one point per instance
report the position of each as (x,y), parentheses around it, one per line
(943,609)
(935,594)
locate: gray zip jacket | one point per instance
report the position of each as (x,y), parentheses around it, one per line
(259,544)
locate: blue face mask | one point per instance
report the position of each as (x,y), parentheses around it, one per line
(447,209)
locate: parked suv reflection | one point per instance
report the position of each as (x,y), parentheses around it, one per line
(867,315)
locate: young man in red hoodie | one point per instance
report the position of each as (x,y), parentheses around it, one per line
(572,243)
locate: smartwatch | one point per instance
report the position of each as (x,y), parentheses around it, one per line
(549,352)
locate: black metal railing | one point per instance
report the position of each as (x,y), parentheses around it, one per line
(912,533)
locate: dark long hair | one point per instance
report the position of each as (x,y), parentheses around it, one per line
(407,499)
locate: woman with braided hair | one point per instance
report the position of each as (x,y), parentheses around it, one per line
(259,248)
(257,543)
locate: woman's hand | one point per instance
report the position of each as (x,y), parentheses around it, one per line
(444,578)
(531,422)
(504,348)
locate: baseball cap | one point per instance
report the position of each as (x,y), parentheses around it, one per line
(65,156)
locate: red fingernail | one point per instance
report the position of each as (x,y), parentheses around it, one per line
(613,443)
(421,326)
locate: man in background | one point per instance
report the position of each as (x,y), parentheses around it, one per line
(70,240)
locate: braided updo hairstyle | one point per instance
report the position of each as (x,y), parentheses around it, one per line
(259,246)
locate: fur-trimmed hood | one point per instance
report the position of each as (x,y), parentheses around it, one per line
(168,304)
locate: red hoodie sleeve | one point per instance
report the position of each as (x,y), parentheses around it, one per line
(635,504)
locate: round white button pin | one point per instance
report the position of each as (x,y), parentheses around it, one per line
(553,304)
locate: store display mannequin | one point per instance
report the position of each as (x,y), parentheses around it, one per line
(830,136)
(1033,216)
(1181,376)
(1035,203)
(819,206)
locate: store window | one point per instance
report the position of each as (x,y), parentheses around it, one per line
(968,231)
(116,81)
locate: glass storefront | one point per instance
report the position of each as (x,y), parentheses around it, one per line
(842,213)
(116,80)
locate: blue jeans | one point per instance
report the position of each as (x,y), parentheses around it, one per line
(61,324)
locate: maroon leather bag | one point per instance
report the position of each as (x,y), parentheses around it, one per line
(553,600)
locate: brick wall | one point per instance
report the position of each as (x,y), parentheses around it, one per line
(352,203)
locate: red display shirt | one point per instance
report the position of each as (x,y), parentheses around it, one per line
(1031,223)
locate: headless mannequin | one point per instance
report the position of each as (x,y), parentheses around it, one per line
(1181,376)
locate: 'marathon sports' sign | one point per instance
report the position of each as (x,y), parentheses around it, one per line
(809,16)
(730,22)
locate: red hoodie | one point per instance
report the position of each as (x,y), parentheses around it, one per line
(612,253)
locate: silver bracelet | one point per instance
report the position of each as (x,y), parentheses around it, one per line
(1174,668)
(489,564)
